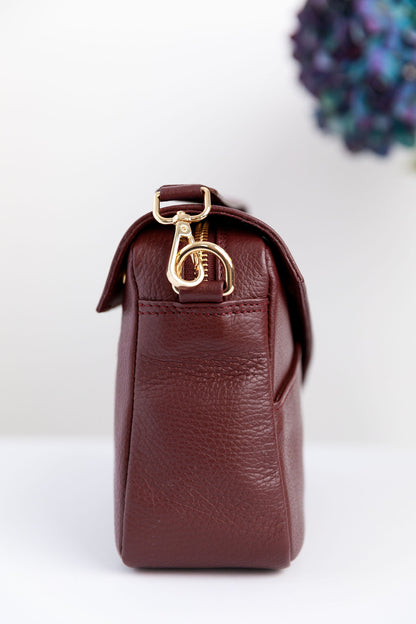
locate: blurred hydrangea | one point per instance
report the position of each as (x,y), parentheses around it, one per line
(358,58)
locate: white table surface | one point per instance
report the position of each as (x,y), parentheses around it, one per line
(58,561)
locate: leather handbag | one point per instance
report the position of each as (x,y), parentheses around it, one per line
(215,342)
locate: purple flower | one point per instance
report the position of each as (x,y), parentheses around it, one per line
(358,58)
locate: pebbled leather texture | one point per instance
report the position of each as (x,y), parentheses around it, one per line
(208,429)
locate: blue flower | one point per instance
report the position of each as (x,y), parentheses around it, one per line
(358,58)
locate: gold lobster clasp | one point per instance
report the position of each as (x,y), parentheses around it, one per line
(182,222)
(183,230)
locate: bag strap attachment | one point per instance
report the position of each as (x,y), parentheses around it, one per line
(194,193)
(183,231)
(292,279)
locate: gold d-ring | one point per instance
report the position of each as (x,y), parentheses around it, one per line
(189,218)
(217,251)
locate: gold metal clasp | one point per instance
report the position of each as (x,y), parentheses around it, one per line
(189,218)
(182,222)
(218,251)
(183,230)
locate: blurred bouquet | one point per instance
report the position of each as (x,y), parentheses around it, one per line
(358,58)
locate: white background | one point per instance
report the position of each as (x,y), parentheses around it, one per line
(58,562)
(102,102)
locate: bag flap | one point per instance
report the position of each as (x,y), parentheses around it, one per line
(289,273)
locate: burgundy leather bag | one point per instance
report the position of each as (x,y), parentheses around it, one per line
(212,353)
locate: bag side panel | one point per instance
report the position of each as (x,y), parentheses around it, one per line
(290,436)
(204,487)
(287,381)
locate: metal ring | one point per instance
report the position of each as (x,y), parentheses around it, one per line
(190,218)
(217,251)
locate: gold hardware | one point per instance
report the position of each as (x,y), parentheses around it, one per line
(183,230)
(197,249)
(189,218)
(201,235)
(217,251)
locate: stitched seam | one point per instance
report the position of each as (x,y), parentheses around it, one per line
(172,306)
(272,309)
(276,439)
(199,311)
(202,313)
(131,421)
